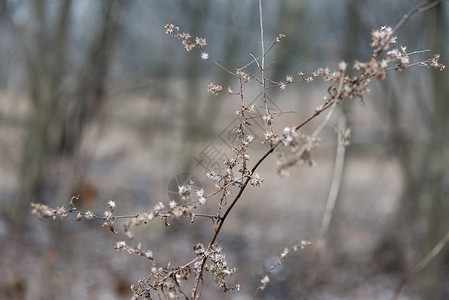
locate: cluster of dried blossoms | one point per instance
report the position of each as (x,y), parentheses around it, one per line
(185,38)
(123,246)
(218,266)
(167,281)
(43,211)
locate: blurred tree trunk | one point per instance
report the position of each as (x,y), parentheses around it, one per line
(89,95)
(213,104)
(290,18)
(191,109)
(435,196)
(90,91)
(46,69)
(422,213)
(57,115)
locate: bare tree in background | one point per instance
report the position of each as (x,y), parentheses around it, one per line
(422,212)
(45,63)
(435,161)
(199,123)
(58,115)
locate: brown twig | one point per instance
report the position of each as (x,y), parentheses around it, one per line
(418,267)
(410,13)
(431,5)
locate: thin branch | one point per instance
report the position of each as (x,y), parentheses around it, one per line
(316,113)
(431,5)
(274,113)
(257,59)
(222,67)
(325,121)
(262,65)
(280,261)
(409,14)
(418,267)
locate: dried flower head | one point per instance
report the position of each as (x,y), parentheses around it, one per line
(256,180)
(279,38)
(42,210)
(170,28)
(434,62)
(200,42)
(382,38)
(264,281)
(214,88)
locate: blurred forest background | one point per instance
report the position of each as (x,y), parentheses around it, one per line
(96,101)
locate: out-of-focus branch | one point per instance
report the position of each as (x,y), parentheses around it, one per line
(418,267)
(330,203)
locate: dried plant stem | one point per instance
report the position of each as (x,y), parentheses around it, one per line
(330,204)
(433,4)
(262,65)
(277,263)
(418,267)
(410,13)
(255,60)
(325,121)
(316,113)
(261,36)
(222,219)
(222,67)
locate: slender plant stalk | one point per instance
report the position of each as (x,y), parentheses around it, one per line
(330,204)
(419,266)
